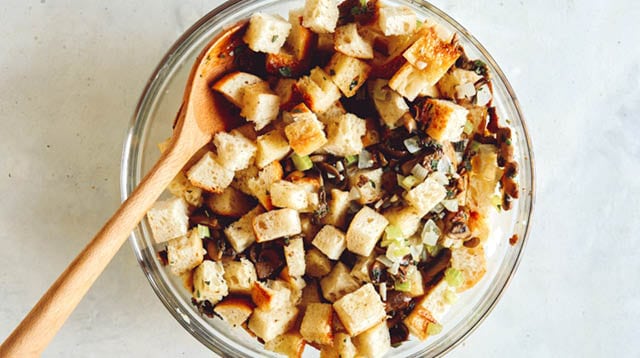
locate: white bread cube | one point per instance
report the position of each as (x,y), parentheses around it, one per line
(235,151)
(301,39)
(348,73)
(290,344)
(396,20)
(349,42)
(407,219)
(240,276)
(447,120)
(365,230)
(284,90)
(330,241)
(338,208)
(471,262)
(234,310)
(259,106)
(297,112)
(321,16)
(309,227)
(362,267)
(426,196)
(269,324)
(285,194)
(344,135)
(266,33)
(209,283)
(317,263)
(342,347)
(209,174)
(417,284)
(331,114)
(295,284)
(317,90)
(185,253)
(232,85)
(368,182)
(294,255)
(187,280)
(409,81)
(259,186)
(246,130)
(242,178)
(305,135)
(231,202)
(430,309)
(316,324)
(274,294)
(374,342)
(240,233)
(338,283)
(451,84)
(310,294)
(389,103)
(168,219)
(272,146)
(360,310)
(276,224)
(432,55)
(182,188)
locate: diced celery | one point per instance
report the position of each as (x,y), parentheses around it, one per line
(433,250)
(434,328)
(454,277)
(351,159)
(468,128)
(408,182)
(450,296)
(301,163)
(203,231)
(402,286)
(397,250)
(392,232)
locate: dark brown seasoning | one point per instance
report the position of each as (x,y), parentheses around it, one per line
(399,333)
(513,240)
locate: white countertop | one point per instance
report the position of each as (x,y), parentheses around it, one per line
(70,75)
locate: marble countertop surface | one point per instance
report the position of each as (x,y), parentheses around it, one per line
(70,75)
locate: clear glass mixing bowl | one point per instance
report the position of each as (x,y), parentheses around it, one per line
(152,123)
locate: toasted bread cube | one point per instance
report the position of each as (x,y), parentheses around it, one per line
(432,55)
(409,81)
(342,347)
(338,208)
(332,114)
(301,39)
(317,90)
(272,295)
(316,324)
(362,267)
(242,178)
(330,241)
(276,224)
(209,283)
(368,182)
(398,20)
(452,83)
(310,294)
(284,90)
(234,310)
(233,84)
(240,233)
(185,252)
(321,16)
(294,255)
(417,284)
(209,174)
(317,263)
(266,33)
(338,283)
(181,187)
(407,219)
(290,344)
(471,262)
(348,73)
(374,342)
(259,106)
(235,151)
(268,324)
(349,42)
(344,135)
(365,231)
(360,310)
(272,146)
(429,310)
(305,135)
(426,196)
(168,219)
(259,186)
(297,112)
(286,63)
(447,120)
(285,194)
(240,276)
(231,202)
(309,227)
(295,284)
(389,104)
(325,42)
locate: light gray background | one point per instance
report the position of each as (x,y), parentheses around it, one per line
(71,73)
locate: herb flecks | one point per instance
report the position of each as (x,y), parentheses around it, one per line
(284,71)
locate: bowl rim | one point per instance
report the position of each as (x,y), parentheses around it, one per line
(182,40)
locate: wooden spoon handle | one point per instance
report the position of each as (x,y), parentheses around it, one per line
(44,320)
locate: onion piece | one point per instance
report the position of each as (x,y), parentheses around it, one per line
(430,233)
(451,205)
(419,172)
(483,96)
(412,144)
(382,289)
(365,160)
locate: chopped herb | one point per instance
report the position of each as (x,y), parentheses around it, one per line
(450,194)
(418,23)
(459,146)
(434,164)
(284,71)
(198,293)
(373,184)
(467,165)
(332,72)
(287,241)
(222,55)
(353,84)
(480,67)
(508,141)
(274,38)
(207,283)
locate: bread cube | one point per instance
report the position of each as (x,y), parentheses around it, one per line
(235,151)
(272,146)
(232,85)
(365,231)
(360,310)
(297,112)
(389,104)
(242,178)
(295,284)
(429,310)
(432,55)
(317,90)
(330,241)
(348,73)
(396,20)
(316,324)
(417,284)
(209,283)
(301,39)
(321,16)
(266,33)
(451,84)
(310,294)
(185,252)
(426,196)
(332,114)
(276,224)
(272,295)
(447,120)
(305,135)
(294,255)
(240,233)
(234,310)
(259,186)
(269,324)
(168,219)
(285,194)
(344,135)
(181,187)
(407,219)
(317,263)
(284,90)
(209,174)
(362,267)
(337,209)
(289,344)
(368,182)
(259,106)
(349,42)
(342,347)
(471,262)
(338,283)
(240,276)
(374,342)
(231,202)
(409,81)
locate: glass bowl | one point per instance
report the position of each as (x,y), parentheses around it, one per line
(152,123)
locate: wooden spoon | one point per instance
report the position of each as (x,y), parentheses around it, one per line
(202,114)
